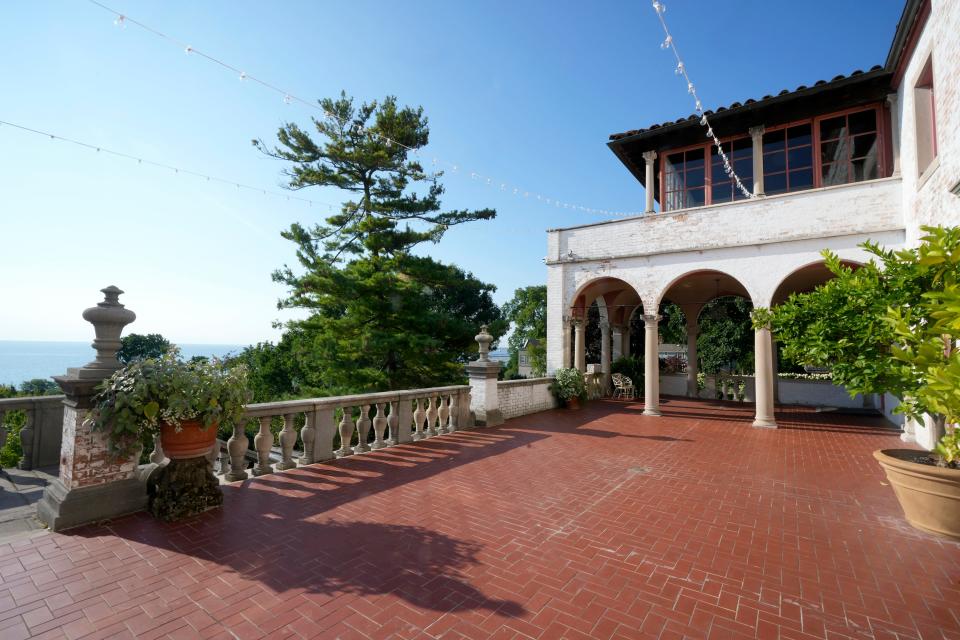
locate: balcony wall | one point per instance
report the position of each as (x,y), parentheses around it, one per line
(846,210)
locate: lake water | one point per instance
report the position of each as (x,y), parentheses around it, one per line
(20,360)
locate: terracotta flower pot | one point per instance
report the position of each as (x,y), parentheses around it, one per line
(192,441)
(929,495)
(573,403)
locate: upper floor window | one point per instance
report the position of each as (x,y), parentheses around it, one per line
(849,148)
(788,159)
(740,153)
(684,179)
(818,152)
(926,118)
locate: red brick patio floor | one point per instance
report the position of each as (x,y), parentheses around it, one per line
(600,523)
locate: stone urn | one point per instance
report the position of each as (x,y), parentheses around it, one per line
(929,495)
(191,441)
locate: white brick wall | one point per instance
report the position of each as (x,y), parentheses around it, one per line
(521,397)
(931,202)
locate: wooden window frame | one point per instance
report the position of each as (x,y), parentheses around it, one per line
(882,131)
(786,150)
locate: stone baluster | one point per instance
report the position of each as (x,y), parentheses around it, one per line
(326,425)
(224,461)
(237,447)
(404,421)
(419,415)
(432,417)
(443,415)
(454,414)
(363,430)
(263,443)
(26,438)
(393,422)
(346,433)
(308,434)
(288,439)
(379,428)
(157,456)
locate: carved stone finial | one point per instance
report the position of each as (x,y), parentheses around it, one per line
(108,319)
(484,339)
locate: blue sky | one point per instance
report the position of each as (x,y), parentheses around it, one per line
(525,92)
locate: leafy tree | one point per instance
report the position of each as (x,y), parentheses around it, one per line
(888,326)
(39,387)
(381,317)
(138,346)
(527,313)
(726,335)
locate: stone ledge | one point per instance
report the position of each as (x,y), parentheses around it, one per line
(524,382)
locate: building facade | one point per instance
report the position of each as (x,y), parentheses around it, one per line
(869,156)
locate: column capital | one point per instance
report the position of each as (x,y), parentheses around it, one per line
(756,131)
(651,321)
(892,99)
(577,322)
(649,156)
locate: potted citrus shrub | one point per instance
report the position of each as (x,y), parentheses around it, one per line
(183,403)
(892,325)
(569,387)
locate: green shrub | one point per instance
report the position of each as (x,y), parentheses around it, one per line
(568,384)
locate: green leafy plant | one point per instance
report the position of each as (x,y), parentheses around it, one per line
(948,449)
(888,326)
(568,384)
(131,404)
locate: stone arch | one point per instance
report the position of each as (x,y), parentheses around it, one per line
(699,286)
(806,278)
(615,299)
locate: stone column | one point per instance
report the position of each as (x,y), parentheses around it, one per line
(567,354)
(893,102)
(693,331)
(605,354)
(617,338)
(756,134)
(483,372)
(775,363)
(92,486)
(651,362)
(763,361)
(580,345)
(648,158)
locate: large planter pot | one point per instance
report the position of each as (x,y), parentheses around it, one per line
(929,495)
(573,403)
(192,441)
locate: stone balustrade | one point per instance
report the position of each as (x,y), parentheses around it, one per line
(41,432)
(319,429)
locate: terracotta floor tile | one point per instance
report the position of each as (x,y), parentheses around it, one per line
(598,523)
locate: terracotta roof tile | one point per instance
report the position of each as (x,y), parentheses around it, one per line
(749,101)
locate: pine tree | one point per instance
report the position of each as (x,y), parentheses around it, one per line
(381,317)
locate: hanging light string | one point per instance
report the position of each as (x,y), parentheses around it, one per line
(162,165)
(288,97)
(681,70)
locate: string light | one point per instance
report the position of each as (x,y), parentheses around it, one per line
(681,70)
(176,170)
(289,98)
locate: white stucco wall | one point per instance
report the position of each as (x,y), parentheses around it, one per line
(817,393)
(520,397)
(930,202)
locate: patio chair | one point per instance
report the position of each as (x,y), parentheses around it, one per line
(622,386)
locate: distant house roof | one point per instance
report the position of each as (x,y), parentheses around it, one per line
(843,91)
(530,342)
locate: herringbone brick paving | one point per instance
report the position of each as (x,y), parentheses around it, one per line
(601,523)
